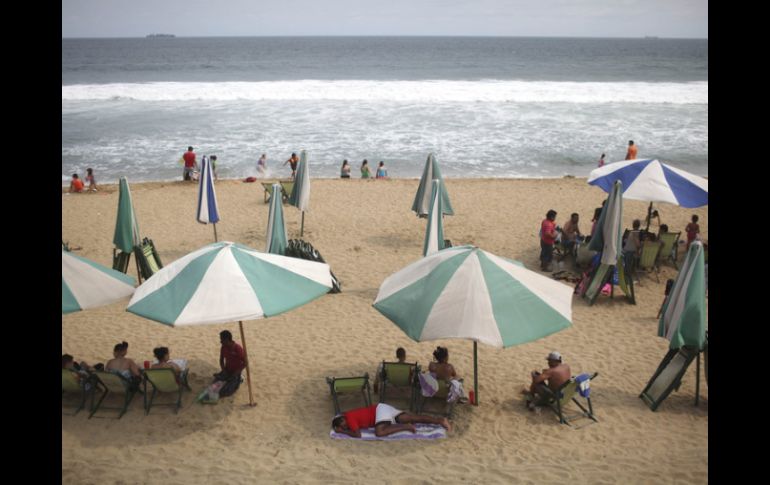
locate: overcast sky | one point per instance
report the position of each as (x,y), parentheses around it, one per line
(557,18)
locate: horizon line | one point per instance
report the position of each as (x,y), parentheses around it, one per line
(643,37)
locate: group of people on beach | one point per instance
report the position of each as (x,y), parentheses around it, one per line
(381,173)
(232,361)
(77,186)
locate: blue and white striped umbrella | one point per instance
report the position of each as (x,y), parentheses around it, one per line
(276,229)
(86,284)
(653,181)
(207,197)
(434,232)
(225,282)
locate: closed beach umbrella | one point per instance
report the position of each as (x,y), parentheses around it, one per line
(126,227)
(276,230)
(300,194)
(683,321)
(434,232)
(653,181)
(86,284)
(607,239)
(224,282)
(208,213)
(467,293)
(422,199)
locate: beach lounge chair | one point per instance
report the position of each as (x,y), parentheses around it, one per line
(400,376)
(668,376)
(112,382)
(72,385)
(441,395)
(120,260)
(148,258)
(268,186)
(669,250)
(557,400)
(348,385)
(164,380)
(648,259)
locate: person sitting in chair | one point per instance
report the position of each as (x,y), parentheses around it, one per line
(163,354)
(571,234)
(123,365)
(401,356)
(553,378)
(385,419)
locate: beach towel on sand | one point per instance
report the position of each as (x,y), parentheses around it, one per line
(424,432)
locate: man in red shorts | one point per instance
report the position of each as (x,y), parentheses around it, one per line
(385,419)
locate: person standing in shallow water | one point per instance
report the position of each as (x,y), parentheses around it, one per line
(631,153)
(190,165)
(601,160)
(293,160)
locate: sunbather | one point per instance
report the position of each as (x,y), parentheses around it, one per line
(385,419)
(553,377)
(163,354)
(123,365)
(441,369)
(80,369)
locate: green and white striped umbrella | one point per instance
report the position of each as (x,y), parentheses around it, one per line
(126,227)
(683,321)
(276,241)
(86,284)
(434,232)
(466,293)
(422,198)
(225,282)
(300,193)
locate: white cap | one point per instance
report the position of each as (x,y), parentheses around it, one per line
(554,356)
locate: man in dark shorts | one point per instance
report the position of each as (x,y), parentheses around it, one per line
(293,160)
(385,419)
(553,377)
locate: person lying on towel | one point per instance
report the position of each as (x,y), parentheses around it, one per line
(385,419)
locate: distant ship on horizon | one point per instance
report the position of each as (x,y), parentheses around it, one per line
(164,36)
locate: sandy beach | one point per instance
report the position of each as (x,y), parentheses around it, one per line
(366,231)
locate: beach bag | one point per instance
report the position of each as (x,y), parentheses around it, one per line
(250,179)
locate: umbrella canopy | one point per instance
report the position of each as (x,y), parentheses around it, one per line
(434,232)
(207,197)
(300,194)
(224,282)
(653,181)
(608,235)
(467,293)
(86,284)
(126,227)
(683,321)
(422,199)
(276,230)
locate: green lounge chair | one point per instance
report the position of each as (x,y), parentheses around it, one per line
(648,259)
(401,376)
(669,251)
(148,258)
(112,382)
(120,260)
(441,394)
(346,385)
(668,376)
(73,384)
(164,380)
(286,188)
(557,400)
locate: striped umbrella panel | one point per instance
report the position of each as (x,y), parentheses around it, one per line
(126,228)
(434,231)
(422,198)
(300,194)
(276,240)
(683,321)
(86,284)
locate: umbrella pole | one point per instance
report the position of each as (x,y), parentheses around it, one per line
(138,271)
(302,227)
(215,232)
(248,373)
(475,374)
(649,218)
(697,379)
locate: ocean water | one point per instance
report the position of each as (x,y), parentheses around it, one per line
(487,107)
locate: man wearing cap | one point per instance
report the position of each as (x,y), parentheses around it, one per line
(554,377)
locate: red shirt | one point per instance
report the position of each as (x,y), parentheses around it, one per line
(546,228)
(235,360)
(189,159)
(361,417)
(77,185)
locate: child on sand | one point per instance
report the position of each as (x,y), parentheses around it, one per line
(91,180)
(76,185)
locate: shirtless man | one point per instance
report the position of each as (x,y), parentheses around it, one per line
(554,377)
(385,419)
(293,160)
(631,153)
